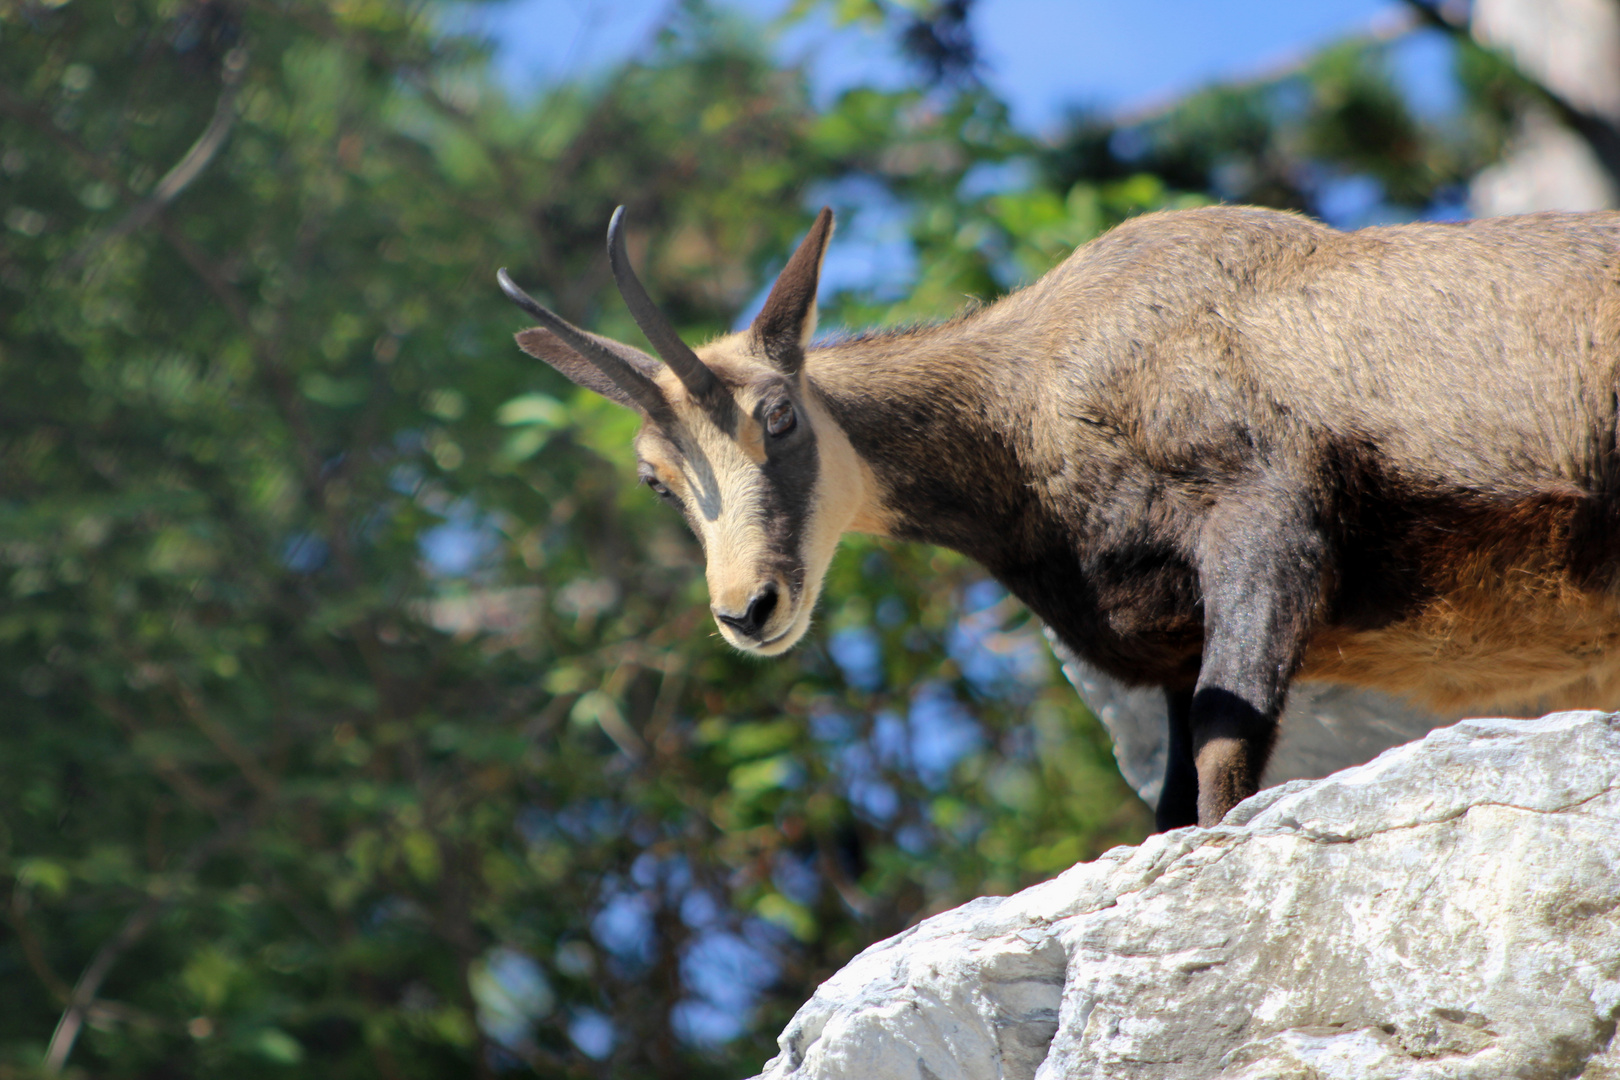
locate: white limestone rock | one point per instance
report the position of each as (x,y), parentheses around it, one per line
(1448,910)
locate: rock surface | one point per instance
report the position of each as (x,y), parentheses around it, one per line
(1450,909)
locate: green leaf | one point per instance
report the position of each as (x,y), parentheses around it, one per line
(46,874)
(421,852)
(276,1046)
(336,393)
(775,908)
(758,777)
(749,740)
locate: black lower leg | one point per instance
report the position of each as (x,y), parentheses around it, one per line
(1261,572)
(1178,799)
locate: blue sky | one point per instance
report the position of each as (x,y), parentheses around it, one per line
(1042,56)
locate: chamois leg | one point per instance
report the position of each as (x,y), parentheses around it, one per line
(1178,798)
(1260,572)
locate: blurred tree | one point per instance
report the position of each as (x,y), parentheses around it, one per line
(362,717)
(1553,67)
(1298,140)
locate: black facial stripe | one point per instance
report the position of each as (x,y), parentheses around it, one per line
(789,497)
(785,501)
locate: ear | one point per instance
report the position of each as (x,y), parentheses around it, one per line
(788,321)
(542,344)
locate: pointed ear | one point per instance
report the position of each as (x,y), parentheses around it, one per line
(788,321)
(542,344)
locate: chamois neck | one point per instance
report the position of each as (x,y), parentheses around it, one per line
(945,418)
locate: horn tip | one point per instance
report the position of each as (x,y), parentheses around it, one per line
(508,286)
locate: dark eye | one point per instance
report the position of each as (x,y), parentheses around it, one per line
(660,488)
(780,419)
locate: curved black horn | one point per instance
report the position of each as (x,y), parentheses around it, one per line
(671,349)
(642,390)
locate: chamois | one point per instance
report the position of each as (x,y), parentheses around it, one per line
(1215,450)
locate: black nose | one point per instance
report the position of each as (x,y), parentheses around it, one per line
(752,621)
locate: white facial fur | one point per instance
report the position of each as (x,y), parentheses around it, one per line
(722,486)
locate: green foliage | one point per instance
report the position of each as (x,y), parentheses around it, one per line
(1288,141)
(362,717)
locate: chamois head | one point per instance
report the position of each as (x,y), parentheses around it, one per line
(733,435)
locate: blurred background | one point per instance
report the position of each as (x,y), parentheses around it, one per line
(359,715)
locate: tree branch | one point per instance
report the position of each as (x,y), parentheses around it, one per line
(177,179)
(188,788)
(83,998)
(223,740)
(1385,28)
(32,949)
(216,282)
(19,109)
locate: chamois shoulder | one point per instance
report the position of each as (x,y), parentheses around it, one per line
(1208,222)
(1230,235)
(1156,267)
